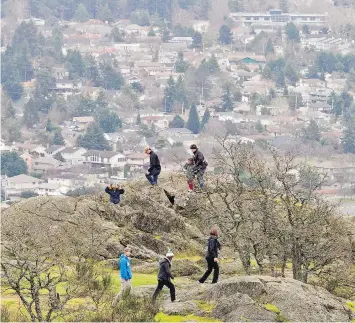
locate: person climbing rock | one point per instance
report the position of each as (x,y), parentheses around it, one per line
(189,167)
(115,192)
(200,165)
(154,167)
(125,274)
(213,246)
(165,276)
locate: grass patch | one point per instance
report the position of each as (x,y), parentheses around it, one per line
(161,317)
(206,306)
(186,256)
(351,306)
(157,238)
(272,308)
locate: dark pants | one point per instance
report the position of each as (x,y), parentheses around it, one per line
(152,177)
(211,265)
(160,286)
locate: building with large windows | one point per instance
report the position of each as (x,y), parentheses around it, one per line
(276,17)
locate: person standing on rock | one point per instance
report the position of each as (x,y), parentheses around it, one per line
(213,246)
(189,168)
(154,167)
(200,165)
(115,193)
(165,276)
(125,275)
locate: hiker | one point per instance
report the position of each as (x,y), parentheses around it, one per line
(154,167)
(189,167)
(200,165)
(115,192)
(213,246)
(165,276)
(125,274)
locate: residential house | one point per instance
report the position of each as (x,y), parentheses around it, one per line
(321,106)
(47,189)
(54,149)
(74,155)
(186,40)
(104,159)
(201,26)
(43,164)
(21,183)
(33,149)
(136,30)
(137,160)
(247,59)
(60,72)
(5,148)
(160,122)
(83,122)
(67,182)
(124,47)
(65,88)
(312,83)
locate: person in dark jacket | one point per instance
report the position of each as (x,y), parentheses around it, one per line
(115,193)
(154,167)
(165,276)
(200,165)
(212,257)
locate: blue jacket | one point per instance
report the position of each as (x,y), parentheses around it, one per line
(115,195)
(125,267)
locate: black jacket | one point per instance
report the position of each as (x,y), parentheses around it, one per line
(154,162)
(164,269)
(115,195)
(213,246)
(199,160)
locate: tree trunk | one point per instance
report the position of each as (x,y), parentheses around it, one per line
(244,256)
(296,262)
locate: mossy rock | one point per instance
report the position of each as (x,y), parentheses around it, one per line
(185,267)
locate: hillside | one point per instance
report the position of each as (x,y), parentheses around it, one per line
(89,227)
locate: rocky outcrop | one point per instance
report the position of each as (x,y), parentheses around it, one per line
(265,299)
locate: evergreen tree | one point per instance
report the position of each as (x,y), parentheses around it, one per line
(291,74)
(205,6)
(117,35)
(213,65)
(348,139)
(311,132)
(165,36)
(269,47)
(227,100)
(92,72)
(295,101)
(10,112)
(58,156)
(81,13)
(259,127)
(112,78)
(151,32)
(225,35)
(49,126)
(94,139)
(109,121)
(180,94)
(12,164)
(57,42)
(292,33)
(180,65)
(58,139)
(205,118)
(177,122)
(75,64)
(197,40)
(193,122)
(169,95)
(105,13)
(30,114)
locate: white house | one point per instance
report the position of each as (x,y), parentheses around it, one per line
(201,26)
(65,88)
(137,160)
(21,183)
(43,164)
(74,155)
(99,159)
(123,47)
(48,189)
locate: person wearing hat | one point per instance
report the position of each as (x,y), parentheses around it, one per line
(165,276)
(115,192)
(154,167)
(200,164)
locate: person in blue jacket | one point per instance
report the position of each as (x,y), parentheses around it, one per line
(115,192)
(125,274)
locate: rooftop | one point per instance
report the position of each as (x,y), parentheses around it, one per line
(22,178)
(101,153)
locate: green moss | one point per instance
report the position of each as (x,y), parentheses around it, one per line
(206,306)
(157,238)
(351,306)
(186,256)
(161,317)
(272,308)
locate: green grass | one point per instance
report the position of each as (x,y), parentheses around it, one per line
(206,306)
(161,317)
(272,308)
(157,238)
(186,256)
(351,306)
